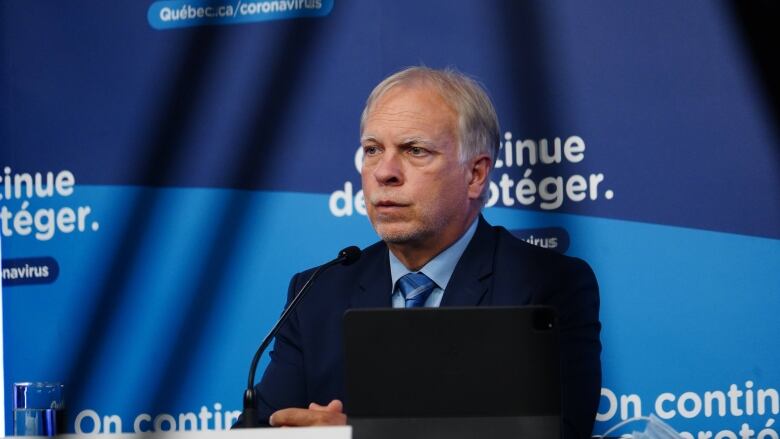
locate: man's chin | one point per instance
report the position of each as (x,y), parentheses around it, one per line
(398,235)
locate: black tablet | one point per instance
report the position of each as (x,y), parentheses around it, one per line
(453,372)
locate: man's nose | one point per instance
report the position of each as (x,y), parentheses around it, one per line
(389,171)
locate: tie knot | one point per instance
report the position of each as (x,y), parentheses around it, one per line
(415,288)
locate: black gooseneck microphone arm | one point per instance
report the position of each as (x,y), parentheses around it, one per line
(248,418)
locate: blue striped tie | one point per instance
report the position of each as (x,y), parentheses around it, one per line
(415,288)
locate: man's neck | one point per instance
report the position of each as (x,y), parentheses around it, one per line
(414,255)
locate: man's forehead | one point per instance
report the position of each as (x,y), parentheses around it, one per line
(396,130)
(414,110)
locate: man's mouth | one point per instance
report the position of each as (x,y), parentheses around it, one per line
(388,203)
(388,206)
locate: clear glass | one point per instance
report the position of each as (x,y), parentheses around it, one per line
(38,409)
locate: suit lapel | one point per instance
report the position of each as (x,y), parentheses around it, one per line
(471,279)
(374,284)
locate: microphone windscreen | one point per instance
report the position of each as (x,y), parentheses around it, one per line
(350,255)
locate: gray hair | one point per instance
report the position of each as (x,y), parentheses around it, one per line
(477,121)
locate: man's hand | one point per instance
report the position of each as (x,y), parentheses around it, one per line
(331,414)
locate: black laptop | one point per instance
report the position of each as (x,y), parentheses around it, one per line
(453,373)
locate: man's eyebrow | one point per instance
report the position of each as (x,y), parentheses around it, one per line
(416,141)
(368,138)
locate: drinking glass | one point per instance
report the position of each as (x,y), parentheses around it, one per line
(38,409)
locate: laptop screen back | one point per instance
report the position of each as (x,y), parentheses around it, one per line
(452,362)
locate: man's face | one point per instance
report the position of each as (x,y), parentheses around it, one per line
(417,191)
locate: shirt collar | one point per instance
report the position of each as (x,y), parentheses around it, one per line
(440,268)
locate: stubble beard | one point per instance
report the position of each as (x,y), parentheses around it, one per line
(409,235)
(410,232)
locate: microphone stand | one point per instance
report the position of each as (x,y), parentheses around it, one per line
(249,418)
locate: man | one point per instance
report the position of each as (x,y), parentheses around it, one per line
(429,139)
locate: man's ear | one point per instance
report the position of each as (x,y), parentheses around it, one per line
(478,173)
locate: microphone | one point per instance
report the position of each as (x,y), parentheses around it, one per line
(248,418)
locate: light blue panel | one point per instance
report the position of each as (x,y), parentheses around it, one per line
(196,277)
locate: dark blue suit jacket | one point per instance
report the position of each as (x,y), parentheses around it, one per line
(495,269)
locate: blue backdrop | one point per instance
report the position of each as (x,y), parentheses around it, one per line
(166,167)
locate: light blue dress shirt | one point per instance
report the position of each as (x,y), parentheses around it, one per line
(438,269)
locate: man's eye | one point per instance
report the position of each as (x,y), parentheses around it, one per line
(417,151)
(370,150)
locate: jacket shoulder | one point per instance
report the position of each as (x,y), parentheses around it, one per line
(510,249)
